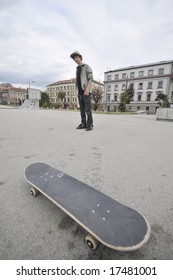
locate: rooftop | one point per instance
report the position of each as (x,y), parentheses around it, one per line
(73,80)
(11,88)
(141,66)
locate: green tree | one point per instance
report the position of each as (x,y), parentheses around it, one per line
(44,102)
(61,95)
(125,98)
(123,101)
(163,100)
(130,93)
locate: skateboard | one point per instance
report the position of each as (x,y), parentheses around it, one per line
(104,219)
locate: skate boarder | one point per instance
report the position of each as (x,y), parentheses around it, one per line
(84,78)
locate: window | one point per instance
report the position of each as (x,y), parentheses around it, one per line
(116,87)
(150,85)
(148,97)
(116,76)
(115,98)
(161,71)
(150,72)
(109,87)
(124,76)
(160,84)
(141,73)
(108,98)
(109,77)
(139,97)
(140,86)
(132,74)
(123,86)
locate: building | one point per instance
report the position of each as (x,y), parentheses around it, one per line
(68,86)
(10,95)
(148,80)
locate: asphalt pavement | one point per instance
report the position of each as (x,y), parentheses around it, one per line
(128,157)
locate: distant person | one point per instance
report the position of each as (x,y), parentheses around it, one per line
(84,78)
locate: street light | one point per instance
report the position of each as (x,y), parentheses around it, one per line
(127,82)
(31,82)
(28,89)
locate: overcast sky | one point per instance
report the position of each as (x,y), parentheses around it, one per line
(38,36)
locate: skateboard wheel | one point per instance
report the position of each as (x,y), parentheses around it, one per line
(91,242)
(34,192)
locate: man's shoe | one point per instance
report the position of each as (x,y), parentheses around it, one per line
(81,126)
(89,127)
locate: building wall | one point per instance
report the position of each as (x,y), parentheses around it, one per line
(148,80)
(69,87)
(12,95)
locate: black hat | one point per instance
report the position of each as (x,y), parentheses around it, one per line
(76,53)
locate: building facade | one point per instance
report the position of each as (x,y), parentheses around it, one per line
(69,88)
(10,95)
(148,80)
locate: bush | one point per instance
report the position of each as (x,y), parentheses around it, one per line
(56,105)
(45,105)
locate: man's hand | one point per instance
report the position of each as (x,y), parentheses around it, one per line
(86,92)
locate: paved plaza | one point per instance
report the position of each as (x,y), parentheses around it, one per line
(128,157)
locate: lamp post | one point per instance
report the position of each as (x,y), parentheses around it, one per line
(127,79)
(28,89)
(31,82)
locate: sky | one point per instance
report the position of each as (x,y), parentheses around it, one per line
(38,36)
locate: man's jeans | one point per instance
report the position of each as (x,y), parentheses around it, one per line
(85,109)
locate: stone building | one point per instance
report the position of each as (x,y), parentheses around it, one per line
(10,95)
(148,80)
(68,87)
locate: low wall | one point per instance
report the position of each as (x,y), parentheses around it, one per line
(164,114)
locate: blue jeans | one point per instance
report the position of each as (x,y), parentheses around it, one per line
(85,109)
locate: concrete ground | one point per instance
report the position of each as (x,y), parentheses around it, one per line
(128,157)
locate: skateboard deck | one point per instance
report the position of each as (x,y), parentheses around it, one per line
(106,220)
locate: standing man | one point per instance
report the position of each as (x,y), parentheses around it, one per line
(84,78)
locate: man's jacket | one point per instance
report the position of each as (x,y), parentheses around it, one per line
(86,76)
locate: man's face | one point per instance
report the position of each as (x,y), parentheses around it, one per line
(77,59)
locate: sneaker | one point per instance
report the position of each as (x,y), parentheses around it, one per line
(81,126)
(89,127)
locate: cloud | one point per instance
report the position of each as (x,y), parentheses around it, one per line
(37,37)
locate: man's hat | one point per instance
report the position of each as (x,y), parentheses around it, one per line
(76,53)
